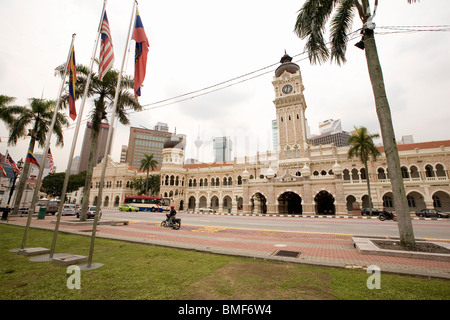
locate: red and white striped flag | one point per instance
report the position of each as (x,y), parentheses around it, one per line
(106,49)
(51,163)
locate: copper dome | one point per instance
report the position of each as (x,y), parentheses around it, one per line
(286,65)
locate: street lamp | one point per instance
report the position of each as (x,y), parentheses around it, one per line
(7,209)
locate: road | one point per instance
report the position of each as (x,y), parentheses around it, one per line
(423,229)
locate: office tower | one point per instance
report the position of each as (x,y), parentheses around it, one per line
(222,149)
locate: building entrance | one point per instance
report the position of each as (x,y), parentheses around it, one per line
(290,203)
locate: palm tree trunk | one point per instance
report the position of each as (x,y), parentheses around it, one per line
(89,174)
(390,146)
(368,187)
(146,184)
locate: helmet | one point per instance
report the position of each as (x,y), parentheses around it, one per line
(172,207)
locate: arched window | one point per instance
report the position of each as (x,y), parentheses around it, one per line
(405,173)
(381,173)
(429,172)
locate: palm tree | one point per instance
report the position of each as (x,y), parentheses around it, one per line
(8,112)
(104,93)
(310,24)
(39,114)
(148,163)
(362,147)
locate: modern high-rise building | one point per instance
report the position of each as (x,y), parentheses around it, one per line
(148,141)
(330,126)
(275,135)
(86,147)
(222,149)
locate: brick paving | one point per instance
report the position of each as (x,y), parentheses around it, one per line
(335,250)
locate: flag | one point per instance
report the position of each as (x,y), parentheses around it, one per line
(50,161)
(140,56)
(2,170)
(11,162)
(72,79)
(106,49)
(32,159)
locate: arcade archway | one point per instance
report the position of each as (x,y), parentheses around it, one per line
(290,203)
(259,203)
(324,203)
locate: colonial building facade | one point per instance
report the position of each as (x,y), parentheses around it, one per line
(299,179)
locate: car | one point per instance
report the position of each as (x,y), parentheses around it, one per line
(431,213)
(207,210)
(366,212)
(128,207)
(90,212)
(69,209)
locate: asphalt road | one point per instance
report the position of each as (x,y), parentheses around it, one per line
(423,229)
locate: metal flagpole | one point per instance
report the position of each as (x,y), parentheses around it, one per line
(75,136)
(47,145)
(108,141)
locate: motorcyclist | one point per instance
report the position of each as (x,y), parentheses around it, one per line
(171,215)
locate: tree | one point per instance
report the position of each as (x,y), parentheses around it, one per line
(104,92)
(53,183)
(363,148)
(39,114)
(8,112)
(148,163)
(310,24)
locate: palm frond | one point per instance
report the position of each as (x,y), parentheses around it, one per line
(310,24)
(341,25)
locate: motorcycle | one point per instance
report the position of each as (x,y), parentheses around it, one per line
(175,224)
(386,215)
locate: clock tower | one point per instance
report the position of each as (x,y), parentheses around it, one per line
(290,109)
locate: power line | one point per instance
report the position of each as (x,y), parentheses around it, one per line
(256,73)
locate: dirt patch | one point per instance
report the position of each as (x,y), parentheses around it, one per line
(419,247)
(260,281)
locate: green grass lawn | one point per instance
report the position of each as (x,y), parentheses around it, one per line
(138,271)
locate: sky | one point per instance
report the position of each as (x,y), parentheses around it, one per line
(198,44)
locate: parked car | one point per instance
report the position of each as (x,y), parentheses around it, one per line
(128,207)
(207,210)
(90,212)
(69,209)
(366,212)
(431,213)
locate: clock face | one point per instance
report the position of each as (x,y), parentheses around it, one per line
(287,89)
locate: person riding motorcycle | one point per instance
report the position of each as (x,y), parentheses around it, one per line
(171,215)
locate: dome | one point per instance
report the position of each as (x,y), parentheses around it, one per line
(286,65)
(173,142)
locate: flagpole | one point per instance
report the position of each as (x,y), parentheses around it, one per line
(108,141)
(75,135)
(47,145)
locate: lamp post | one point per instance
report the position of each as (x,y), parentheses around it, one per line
(7,209)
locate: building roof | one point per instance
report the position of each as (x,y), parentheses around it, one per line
(208,165)
(420,145)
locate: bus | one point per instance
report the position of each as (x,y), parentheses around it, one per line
(153,204)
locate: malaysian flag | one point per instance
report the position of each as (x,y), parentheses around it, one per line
(11,162)
(106,49)
(51,163)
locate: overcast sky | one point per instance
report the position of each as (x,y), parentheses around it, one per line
(196,44)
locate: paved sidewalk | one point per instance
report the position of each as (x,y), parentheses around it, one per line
(337,250)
